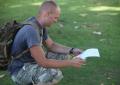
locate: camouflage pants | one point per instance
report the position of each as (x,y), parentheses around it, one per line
(32,74)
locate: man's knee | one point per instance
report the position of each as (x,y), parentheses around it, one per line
(50,77)
(58,76)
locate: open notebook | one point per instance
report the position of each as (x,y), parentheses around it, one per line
(92,52)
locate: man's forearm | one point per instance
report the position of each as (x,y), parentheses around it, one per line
(50,63)
(39,56)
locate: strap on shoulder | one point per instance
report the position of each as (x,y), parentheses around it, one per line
(39,30)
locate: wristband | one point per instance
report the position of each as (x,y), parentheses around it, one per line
(71,51)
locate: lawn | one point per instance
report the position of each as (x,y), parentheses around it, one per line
(83,24)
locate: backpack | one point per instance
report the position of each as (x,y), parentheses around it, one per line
(7,35)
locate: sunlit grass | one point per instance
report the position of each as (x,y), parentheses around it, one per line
(36,4)
(20,5)
(16,6)
(104,8)
(74,8)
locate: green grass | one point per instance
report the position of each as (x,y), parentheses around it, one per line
(79,19)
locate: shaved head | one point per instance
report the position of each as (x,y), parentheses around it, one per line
(49,13)
(48,6)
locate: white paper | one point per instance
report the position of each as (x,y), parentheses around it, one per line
(92,52)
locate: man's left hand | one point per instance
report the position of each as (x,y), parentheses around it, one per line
(76,51)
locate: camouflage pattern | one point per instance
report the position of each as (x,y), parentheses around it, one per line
(33,74)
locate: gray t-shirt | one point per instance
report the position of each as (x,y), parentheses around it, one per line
(25,38)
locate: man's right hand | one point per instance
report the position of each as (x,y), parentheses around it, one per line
(77,62)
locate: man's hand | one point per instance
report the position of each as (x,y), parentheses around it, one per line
(75,51)
(77,62)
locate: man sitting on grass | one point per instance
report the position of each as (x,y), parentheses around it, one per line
(38,66)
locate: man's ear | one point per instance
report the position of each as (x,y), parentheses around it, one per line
(48,14)
(45,14)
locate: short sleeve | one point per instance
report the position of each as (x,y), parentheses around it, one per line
(32,37)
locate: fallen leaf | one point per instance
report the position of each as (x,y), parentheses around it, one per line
(101,40)
(97,33)
(102,84)
(108,77)
(83,15)
(74,22)
(61,25)
(1,76)
(76,27)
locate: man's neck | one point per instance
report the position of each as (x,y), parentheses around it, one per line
(41,22)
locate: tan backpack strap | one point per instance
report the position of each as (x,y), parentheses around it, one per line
(39,31)
(32,24)
(19,55)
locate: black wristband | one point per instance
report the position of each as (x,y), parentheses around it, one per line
(71,51)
